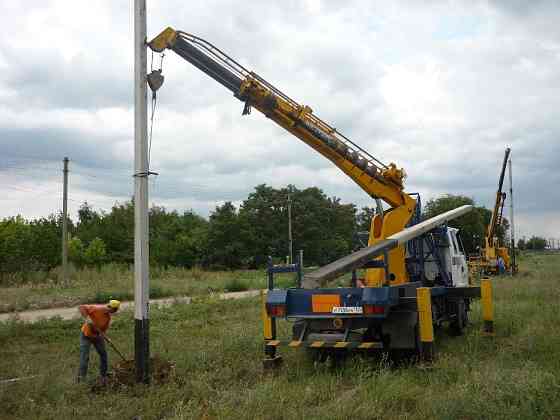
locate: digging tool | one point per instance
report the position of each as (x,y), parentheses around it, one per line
(113,346)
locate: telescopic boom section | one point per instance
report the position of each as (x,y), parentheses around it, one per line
(374,177)
(497,214)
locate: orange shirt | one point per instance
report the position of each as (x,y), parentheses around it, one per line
(100,316)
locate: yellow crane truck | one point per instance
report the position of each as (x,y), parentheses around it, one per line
(416,275)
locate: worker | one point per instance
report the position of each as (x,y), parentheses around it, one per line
(501,265)
(97,320)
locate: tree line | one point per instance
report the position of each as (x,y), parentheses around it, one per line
(535,243)
(231,237)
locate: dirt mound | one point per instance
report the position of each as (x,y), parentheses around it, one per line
(124,373)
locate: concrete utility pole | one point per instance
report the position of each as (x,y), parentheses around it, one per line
(65,223)
(512,224)
(141,246)
(290,227)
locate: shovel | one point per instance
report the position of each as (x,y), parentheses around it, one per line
(113,346)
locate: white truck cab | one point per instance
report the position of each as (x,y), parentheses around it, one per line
(453,260)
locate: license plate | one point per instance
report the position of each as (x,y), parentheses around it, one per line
(347,310)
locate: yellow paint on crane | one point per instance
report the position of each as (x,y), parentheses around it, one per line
(164,40)
(487,305)
(267,321)
(366,345)
(425,323)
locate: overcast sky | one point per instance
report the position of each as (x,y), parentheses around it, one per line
(440,88)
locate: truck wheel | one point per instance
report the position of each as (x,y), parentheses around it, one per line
(297,328)
(406,356)
(457,326)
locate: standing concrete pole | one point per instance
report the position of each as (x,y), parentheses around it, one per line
(290,227)
(512,224)
(141,249)
(65,223)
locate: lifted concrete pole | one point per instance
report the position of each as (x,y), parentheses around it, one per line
(141,247)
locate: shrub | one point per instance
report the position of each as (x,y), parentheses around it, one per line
(235,285)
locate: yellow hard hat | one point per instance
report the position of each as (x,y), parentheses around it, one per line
(114,304)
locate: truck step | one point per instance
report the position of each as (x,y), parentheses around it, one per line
(372,345)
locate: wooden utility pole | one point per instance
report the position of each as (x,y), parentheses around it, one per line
(65,223)
(141,245)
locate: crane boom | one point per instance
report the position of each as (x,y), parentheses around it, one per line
(492,256)
(496,219)
(374,177)
(377,179)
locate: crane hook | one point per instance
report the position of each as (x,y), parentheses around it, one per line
(155,80)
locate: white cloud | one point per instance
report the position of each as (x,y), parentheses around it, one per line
(440,88)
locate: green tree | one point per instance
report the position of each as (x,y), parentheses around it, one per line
(76,251)
(15,245)
(364,218)
(95,253)
(226,238)
(321,226)
(46,245)
(471,225)
(177,240)
(536,243)
(30,245)
(265,213)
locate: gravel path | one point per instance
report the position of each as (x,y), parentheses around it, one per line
(71,313)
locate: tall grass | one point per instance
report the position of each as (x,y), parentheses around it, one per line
(217,348)
(116,281)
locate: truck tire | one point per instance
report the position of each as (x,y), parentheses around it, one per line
(457,326)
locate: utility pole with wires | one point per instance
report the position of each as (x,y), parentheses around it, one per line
(290,228)
(141,173)
(65,222)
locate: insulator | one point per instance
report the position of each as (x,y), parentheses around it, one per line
(361,163)
(330,142)
(371,170)
(341,148)
(351,155)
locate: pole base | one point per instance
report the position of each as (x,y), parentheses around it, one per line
(142,350)
(488,329)
(427,351)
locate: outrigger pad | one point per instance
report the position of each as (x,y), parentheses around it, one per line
(348,263)
(272,363)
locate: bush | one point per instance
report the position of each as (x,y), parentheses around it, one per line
(235,285)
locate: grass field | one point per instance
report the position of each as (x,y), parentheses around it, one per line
(116,281)
(217,350)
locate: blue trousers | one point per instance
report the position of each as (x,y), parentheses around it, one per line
(85,344)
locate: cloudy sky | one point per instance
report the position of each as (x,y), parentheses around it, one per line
(440,88)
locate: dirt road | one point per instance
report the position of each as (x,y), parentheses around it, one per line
(70,313)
